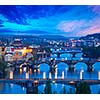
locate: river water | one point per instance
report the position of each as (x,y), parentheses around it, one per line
(7,88)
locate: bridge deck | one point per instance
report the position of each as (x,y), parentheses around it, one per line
(43,81)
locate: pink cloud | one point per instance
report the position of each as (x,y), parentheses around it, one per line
(69,26)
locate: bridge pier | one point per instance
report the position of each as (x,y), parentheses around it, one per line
(71,67)
(73,55)
(58,55)
(90,68)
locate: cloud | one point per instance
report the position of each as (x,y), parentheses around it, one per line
(64,20)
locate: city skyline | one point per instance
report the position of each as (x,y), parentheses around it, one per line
(69,21)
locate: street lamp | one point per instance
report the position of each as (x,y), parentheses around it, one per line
(27,75)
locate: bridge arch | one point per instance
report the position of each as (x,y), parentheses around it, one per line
(61,66)
(44,67)
(78,55)
(96,66)
(54,55)
(81,65)
(66,55)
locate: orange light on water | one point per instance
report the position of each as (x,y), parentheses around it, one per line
(21,71)
(27,75)
(30,71)
(11,74)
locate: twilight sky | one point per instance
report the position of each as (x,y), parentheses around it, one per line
(61,20)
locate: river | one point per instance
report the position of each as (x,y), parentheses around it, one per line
(7,88)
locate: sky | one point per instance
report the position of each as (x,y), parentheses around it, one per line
(66,20)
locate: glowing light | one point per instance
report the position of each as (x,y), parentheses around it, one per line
(24,69)
(24,48)
(65,58)
(21,65)
(30,71)
(81,58)
(23,88)
(53,81)
(50,77)
(21,71)
(51,58)
(36,81)
(11,85)
(44,75)
(62,74)
(34,70)
(99,75)
(11,74)
(81,74)
(38,71)
(38,66)
(27,75)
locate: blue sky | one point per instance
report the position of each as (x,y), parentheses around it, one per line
(50,20)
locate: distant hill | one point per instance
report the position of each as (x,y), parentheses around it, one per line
(53,37)
(95,35)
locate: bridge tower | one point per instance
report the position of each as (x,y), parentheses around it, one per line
(71,66)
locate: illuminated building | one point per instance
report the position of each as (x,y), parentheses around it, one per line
(24,50)
(1,53)
(17,56)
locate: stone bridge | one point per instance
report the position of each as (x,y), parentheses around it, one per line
(71,63)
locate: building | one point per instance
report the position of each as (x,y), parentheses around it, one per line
(17,43)
(17,56)
(8,57)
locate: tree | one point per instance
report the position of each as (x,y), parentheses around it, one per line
(83,88)
(3,66)
(48,89)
